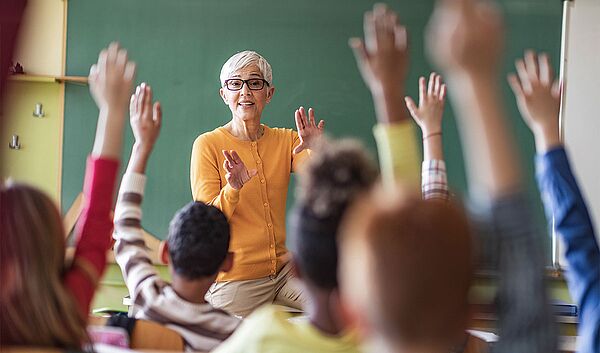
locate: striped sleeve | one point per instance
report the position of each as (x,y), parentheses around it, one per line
(434,181)
(130,248)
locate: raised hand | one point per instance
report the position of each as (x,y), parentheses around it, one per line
(538,98)
(110,81)
(428,114)
(383,62)
(466,36)
(308,131)
(237,174)
(145,117)
(383,57)
(146,120)
(111,78)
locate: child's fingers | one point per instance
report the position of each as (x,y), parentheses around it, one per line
(431,84)
(546,73)
(401,37)
(129,73)
(370,33)
(121,60)
(138,98)
(531,65)
(112,52)
(436,88)
(525,83)
(412,107)
(442,92)
(101,66)
(132,105)
(148,102)
(379,21)
(556,89)
(515,85)
(422,89)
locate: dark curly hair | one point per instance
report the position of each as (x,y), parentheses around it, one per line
(198,240)
(328,183)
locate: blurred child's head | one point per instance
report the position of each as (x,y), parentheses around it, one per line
(329,182)
(198,241)
(405,269)
(36,309)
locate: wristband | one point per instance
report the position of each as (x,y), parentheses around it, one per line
(432,134)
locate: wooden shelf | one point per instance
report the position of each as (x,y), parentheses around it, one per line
(48,79)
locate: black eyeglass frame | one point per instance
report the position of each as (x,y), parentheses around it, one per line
(245,82)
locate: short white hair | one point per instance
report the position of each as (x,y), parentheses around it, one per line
(244,59)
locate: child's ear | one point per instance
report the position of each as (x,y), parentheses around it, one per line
(163,252)
(227,263)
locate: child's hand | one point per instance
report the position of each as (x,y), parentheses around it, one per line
(237,174)
(145,118)
(110,83)
(111,79)
(537,93)
(428,115)
(466,36)
(383,57)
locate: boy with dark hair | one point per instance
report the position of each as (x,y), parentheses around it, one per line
(196,248)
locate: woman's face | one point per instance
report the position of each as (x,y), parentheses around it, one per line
(247,104)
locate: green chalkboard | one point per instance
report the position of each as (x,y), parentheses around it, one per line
(180,45)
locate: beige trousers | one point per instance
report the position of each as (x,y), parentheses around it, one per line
(242,297)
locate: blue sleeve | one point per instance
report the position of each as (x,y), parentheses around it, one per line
(564,203)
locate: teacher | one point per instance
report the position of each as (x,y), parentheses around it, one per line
(244,168)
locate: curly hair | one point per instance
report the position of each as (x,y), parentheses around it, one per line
(198,240)
(328,184)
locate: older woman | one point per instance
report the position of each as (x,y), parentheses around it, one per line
(244,169)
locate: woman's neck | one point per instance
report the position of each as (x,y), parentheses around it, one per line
(246,130)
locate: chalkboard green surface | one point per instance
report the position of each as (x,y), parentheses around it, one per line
(180,45)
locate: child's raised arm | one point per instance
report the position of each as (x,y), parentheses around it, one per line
(382,60)
(466,39)
(538,98)
(428,115)
(110,81)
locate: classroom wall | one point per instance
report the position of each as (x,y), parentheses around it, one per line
(40,50)
(581,110)
(40,45)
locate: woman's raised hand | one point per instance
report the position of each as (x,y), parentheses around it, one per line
(237,173)
(308,131)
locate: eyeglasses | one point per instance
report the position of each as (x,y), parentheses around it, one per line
(254,84)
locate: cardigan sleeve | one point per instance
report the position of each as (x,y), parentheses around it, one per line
(205,179)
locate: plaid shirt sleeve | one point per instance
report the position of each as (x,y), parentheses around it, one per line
(434,182)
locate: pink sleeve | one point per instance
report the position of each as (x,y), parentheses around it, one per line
(93,232)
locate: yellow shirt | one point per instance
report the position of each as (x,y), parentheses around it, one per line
(268,330)
(256,213)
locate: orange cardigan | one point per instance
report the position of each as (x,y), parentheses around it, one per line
(256,213)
